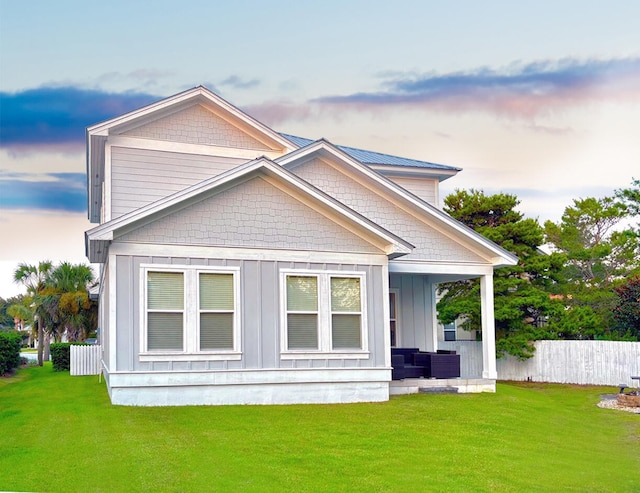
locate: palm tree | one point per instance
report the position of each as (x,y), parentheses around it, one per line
(34,278)
(66,301)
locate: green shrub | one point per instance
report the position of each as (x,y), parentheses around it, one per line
(9,351)
(61,354)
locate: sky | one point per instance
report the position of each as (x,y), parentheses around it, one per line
(537,99)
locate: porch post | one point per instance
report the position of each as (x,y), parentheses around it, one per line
(386,315)
(488,327)
(432,337)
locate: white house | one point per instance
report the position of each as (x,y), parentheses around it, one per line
(245,266)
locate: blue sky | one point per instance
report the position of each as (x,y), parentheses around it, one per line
(539,99)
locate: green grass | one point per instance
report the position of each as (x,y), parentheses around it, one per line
(60,433)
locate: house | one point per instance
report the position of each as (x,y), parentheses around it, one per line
(245,266)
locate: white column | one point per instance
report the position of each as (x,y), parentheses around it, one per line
(488,327)
(386,313)
(432,335)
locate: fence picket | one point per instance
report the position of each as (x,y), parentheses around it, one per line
(85,360)
(579,362)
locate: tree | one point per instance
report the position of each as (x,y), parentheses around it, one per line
(630,198)
(65,300)
(7,319)
(68,300)
(626,310)
(600,254)
(33,278)
(522,301)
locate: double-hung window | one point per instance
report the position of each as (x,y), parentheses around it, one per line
(191,311)
(216,295)
(323,314)
(165,311)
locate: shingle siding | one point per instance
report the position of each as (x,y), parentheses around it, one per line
(430,243)
(197,125)
(252,214)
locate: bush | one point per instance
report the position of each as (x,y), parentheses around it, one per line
(61,354)
(9,351)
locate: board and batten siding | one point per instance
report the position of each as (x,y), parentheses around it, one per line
(260,315)
(425,188)
(142,176)
(576,362)
(414,308)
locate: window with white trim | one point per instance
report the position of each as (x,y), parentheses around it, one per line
(165,311)
(190,310)
(323,312)
(449,331)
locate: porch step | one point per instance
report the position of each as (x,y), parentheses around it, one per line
(438,390)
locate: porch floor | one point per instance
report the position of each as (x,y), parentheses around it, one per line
(427,385)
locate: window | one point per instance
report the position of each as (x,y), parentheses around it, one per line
(216,311)
(165,305)
(323,312)
(302,312)
(190,310)
(393,318)
(345,313)
(449,331)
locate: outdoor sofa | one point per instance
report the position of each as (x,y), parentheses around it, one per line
(413,363)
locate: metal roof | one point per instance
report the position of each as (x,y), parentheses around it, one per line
(371,157)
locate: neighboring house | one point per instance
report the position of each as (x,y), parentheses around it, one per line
(242,266)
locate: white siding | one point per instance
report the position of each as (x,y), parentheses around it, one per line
(425,188)
(139,177)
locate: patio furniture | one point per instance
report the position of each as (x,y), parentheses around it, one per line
(413,363)
(439,365)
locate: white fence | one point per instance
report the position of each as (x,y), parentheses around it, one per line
(85,360)
(580,362)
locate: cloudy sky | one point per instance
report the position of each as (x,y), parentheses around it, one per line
(540,99)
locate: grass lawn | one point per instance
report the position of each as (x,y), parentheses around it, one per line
(60,433)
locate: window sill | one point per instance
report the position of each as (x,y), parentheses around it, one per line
(199,356)
(291,355)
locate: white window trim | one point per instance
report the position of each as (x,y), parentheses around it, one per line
(453,329)
(396,292)
(324,317)
(191,313)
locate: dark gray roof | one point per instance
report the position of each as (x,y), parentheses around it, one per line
(370,157)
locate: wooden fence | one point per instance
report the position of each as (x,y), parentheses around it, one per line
(86,360)
(579,362)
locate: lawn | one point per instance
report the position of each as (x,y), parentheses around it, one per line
(60,433)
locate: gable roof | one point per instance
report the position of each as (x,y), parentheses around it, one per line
(97,239)
(97,134)
(499,256)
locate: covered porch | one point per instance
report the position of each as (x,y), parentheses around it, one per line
(414,323)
